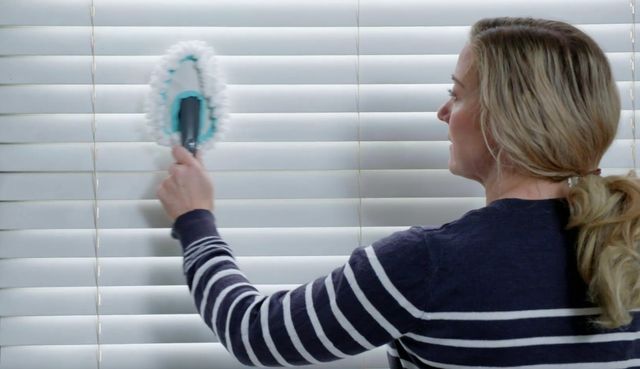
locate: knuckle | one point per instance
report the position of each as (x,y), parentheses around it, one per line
(178,171)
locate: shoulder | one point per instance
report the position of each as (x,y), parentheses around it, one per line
(472,223)
(501,218)
(398,253)
(405,257)
(410,259)
(422,242)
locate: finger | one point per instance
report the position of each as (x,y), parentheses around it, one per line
(183,156)
(171,185)
(167,189)
(176,170)
(160,192)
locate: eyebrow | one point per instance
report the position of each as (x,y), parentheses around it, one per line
(456,80)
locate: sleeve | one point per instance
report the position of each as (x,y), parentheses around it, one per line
(375,297)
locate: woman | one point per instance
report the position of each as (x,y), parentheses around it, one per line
(541,275)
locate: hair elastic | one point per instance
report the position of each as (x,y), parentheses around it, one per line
(596,172)
(574,180)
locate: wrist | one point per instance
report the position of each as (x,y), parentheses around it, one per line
(194,225)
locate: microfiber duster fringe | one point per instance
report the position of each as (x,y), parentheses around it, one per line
(211,84)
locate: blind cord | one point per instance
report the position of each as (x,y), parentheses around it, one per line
(96,209)
(632,90)
(359,125)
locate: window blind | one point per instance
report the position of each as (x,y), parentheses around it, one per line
(333,140)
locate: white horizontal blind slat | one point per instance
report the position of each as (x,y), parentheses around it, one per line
(153,356)
(247,99)
(134,242)
(155,40)
(278,13)
(116,329)
(251,156)
(243,185)
(463,12)
(266,41)
(124,271)
(253,70)
(150,156)
(117,300)
(307,69)
(256,127)
(228,13)
(130,99)
(241,213)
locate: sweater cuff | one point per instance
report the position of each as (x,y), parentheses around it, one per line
(194,225)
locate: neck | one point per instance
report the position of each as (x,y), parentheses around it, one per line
(512,185)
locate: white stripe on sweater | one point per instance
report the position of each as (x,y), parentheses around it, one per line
(388,285)
(597,365)
(293,334)
(244,329)
(203,268)
(228,342)
(497,315)
(266,334)
(344,322)
(366,304)
(220,299)
(188,255)
(317,327)
(191,247)
(193,258)
(511,315)
(530,341)
(219,275)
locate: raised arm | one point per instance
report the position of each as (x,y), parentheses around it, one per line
(375,297)
(363,304)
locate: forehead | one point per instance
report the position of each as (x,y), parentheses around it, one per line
(464,65)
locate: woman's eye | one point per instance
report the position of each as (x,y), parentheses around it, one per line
(451,94)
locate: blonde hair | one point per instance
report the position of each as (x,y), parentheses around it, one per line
(549,108)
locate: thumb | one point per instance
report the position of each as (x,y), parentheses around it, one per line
(183,156)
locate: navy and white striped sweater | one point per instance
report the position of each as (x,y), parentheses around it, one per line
(496,288)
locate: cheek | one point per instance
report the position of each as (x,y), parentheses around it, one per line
(461,127)
(464,124)
(467,137)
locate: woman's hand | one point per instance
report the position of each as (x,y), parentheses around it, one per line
(187,187)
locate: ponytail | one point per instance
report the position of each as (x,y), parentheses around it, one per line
(606,211)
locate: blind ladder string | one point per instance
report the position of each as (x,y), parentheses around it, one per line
(358,122)
(632,90)
(95,182)
(363,364)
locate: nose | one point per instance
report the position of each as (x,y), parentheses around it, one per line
(444,112)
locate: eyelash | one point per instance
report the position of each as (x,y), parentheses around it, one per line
(451,93)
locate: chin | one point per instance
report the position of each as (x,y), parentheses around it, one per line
(460,173)
(453,169)
(456,173)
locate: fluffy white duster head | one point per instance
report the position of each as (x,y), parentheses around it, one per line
(189,68)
